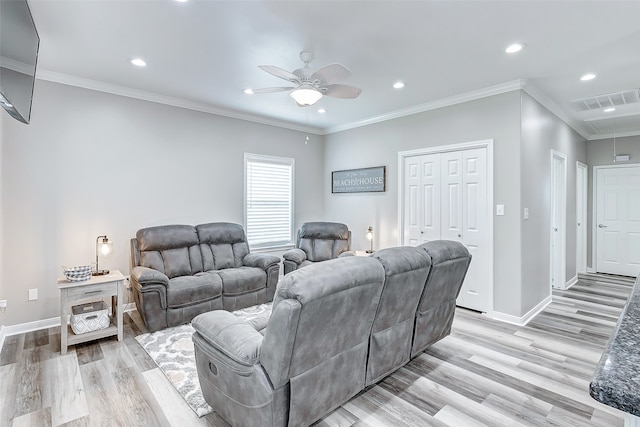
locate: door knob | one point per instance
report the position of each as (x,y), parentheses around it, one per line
(555,228)
(459,235)
(422,232)
(602,226)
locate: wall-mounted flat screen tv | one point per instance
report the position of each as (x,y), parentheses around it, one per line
(19,43)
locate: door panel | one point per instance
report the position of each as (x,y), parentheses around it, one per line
(430,201)
(451,209)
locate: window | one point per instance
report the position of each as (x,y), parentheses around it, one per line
(268,208)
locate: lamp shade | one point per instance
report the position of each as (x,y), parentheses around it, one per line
(306,96)
(105,246)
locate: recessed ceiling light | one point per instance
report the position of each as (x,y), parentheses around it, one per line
(321,110)
(248,91)
(515,47)
(138,62)
(587,77)
(609,110)
(398,85)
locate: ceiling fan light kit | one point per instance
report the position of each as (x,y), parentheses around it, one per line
(311,87)
(305,97)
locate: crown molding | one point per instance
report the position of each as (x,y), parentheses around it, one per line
(434,105)
(69,80)
(551,105)
(617,135)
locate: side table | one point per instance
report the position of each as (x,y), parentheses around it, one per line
(71,293)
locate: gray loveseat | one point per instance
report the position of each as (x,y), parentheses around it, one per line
(180,271)
(335,327)
(316,242)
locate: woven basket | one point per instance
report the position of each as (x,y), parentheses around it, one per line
(77,274)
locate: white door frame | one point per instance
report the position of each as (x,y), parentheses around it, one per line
(486,143)
(581,187)
(594,207)
(562,253)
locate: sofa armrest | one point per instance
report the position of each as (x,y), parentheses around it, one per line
(296,255)
(147,276)
(263,261)
(230,335)
(347,253)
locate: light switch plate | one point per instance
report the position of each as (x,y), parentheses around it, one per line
(33,294)
(526,213)
(499,209)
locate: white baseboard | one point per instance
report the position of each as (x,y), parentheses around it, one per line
(522,320)
(1,337)
(22,328)
(53,322)
(591,270)
(571,282)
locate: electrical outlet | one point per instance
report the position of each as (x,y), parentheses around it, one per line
(33,294)
(526,213)
(3,305)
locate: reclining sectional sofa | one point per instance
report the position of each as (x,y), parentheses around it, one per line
(335,327)
(180,271)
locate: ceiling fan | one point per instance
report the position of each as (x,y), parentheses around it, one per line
(311,86)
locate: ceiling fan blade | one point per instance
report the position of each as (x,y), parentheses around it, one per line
(331,73)
(279,72)
(341,91)
(271,89)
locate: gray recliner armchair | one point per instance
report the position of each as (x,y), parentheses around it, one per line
(316,242)
(312,357)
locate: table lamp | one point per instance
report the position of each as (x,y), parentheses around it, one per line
(103,246)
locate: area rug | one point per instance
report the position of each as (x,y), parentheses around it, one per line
(172,350)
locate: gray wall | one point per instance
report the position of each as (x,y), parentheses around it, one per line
(496,117)
(92,163)
(542,132)
(3,116)
(600,153)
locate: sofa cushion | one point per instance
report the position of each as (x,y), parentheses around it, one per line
(170,249)
(223,245)
(188,290)
(237,281)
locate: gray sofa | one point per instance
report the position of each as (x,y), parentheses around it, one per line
(180,271)
(335,327)
(316,242)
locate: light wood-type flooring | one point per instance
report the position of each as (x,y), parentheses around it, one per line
(486,373)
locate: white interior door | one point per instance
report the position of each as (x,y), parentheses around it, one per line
(581,217)
(618,220)
(558,220)
(445,197)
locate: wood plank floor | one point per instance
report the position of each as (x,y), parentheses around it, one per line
(486,373)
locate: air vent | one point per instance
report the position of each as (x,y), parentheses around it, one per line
(607,100)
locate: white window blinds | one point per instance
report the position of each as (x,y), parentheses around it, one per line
(268,200)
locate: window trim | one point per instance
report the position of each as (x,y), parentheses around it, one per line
(289,161)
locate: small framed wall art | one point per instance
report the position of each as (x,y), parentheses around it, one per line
(365,180)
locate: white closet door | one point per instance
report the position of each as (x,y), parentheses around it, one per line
(422,199)
(445,197)
(476,290)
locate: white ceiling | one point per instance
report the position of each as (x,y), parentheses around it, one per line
(203,54)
